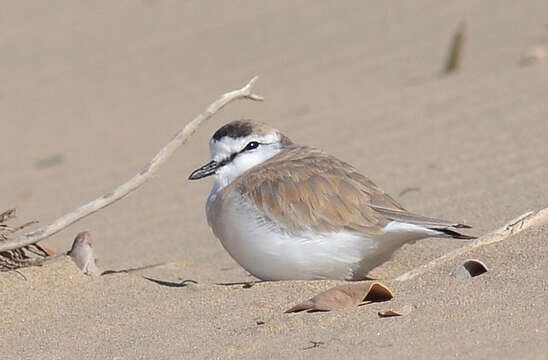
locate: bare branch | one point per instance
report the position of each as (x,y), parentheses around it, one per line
(123,190)
(522,222)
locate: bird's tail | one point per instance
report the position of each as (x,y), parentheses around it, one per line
(430,226)
(445,232)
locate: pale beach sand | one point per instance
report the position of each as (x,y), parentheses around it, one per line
(90,91)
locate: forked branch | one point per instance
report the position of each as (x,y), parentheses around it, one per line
(123,190)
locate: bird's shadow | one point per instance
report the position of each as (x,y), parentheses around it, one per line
(245,284)
(171,283)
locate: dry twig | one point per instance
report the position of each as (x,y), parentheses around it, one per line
(123,190)
(522,222)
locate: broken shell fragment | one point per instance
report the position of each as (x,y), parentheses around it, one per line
(469,269)
(83,255)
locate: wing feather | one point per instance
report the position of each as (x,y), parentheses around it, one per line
(411,218)
(310,190)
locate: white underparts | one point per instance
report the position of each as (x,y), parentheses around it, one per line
(268,251)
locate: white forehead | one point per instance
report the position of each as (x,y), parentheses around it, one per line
(226,146)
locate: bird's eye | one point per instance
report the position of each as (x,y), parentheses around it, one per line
(252,145)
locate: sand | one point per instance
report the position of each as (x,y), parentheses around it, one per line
(90,91)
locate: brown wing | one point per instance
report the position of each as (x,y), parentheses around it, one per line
(310,190)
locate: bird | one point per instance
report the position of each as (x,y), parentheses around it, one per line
(285,211)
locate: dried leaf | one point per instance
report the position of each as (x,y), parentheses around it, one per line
(45,250)
(6,215)
(346,295)
(469,269)
(29,255)
(404,310)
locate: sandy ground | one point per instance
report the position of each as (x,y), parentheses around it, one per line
(91,90)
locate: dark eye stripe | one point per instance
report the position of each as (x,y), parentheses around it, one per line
(232,156)
(228,159)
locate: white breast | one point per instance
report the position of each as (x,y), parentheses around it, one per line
(269,252)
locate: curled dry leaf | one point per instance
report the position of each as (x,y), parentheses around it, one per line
(469,269)
(404,310)
(83,255)
(346,295)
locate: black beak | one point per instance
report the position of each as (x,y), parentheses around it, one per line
(206,170)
